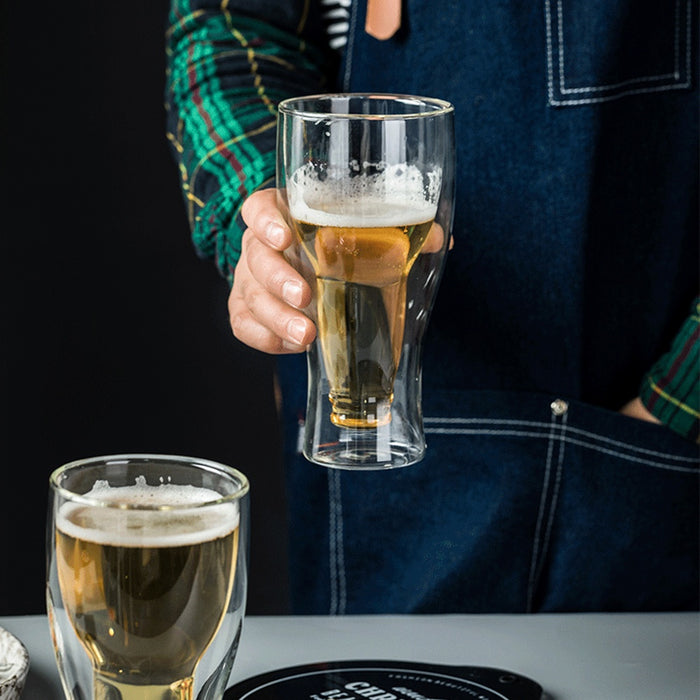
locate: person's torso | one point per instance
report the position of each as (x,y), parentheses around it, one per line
(575,256)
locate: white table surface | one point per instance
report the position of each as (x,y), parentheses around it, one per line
(653,656)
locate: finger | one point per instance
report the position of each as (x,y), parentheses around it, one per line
(274,272)
(264,322)
(262,215)
(249,330)
(289,324)
(434,240)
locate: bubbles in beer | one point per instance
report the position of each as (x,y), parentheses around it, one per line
(395,195)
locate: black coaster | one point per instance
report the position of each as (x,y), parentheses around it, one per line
(385,680)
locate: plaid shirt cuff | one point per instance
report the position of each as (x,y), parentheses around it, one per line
(671,390)
(226,74)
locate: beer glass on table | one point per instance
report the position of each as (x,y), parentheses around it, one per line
(367,185)
(146,576)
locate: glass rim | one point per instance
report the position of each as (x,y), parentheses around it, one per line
(441,107)
(182,460)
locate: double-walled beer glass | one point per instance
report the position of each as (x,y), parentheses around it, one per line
(367,185)
(146,587)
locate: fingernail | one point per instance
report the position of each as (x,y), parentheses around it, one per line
(296,329)
(291,292)
(274,233)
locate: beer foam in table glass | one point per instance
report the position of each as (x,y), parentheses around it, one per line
(367,185)
(146,576)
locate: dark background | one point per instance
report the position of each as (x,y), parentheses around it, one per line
(114,335)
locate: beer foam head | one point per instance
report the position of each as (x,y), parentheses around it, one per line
(395,195)
(141,515)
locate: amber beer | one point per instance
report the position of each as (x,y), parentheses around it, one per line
(361,249)
(146,590)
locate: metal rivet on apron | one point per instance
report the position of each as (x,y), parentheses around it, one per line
(559,407)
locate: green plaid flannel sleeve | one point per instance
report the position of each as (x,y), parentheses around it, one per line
(671,390)
(227,71)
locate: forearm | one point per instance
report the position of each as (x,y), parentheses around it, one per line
(227,71)
(671,390)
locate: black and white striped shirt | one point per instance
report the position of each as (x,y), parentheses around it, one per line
(336,15)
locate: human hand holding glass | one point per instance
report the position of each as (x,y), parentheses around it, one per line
(146,587)
(268,293)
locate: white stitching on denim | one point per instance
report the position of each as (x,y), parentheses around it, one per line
(335,541)
(340,549)
(550,69)
(555,495)
(484,431)
(511,421)
(541,424)
(332,557)
(540,516)
(613,87)
(580,443)
(613,453)
(630,447)
(617,96)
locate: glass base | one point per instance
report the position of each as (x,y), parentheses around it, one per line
(364,449)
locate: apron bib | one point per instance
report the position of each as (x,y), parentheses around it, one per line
(576,194)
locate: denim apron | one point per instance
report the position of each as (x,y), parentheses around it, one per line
(575,262)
